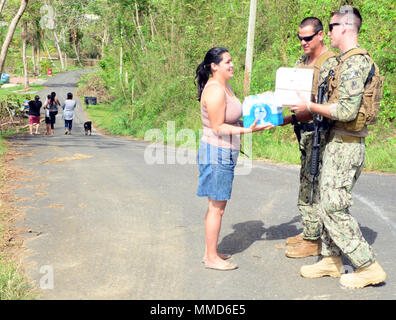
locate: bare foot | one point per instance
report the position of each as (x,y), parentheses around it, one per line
(223,256)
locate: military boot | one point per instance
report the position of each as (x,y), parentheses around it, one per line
(292,241)
(328,266)
(304,249)
(372,274)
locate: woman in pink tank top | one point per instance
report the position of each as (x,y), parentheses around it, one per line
(219,148)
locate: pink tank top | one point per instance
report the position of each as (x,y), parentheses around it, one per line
(233,112)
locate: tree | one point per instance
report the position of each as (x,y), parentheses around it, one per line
(25,64)
(10,33)
(2,3)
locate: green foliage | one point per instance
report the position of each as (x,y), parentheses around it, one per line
(45,64)
(162,42)
(13,285)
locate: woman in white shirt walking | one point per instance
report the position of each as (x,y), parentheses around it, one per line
(68,107)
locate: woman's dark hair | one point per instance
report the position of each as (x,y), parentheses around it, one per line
(51,98)
(69,95)
(203,71)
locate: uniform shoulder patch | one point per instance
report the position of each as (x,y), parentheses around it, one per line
(354,72)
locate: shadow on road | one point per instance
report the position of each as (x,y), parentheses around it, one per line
(369,234)
(61,140)
(61,85)
(246,233)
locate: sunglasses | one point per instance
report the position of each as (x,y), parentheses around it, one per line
(309,38)
(331,25)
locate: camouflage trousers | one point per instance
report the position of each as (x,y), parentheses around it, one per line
(312,224)
(342,165)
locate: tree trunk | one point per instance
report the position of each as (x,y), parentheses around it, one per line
(104,42)
(24,58)
(10,33)
(59,50)
(250,46)
(38,59)
(121,55)
(77,51)
(34,59)
(75,43)
(49,55)
(2,3)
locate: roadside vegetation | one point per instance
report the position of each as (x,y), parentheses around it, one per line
(148,52)
(13,283)
(147,71)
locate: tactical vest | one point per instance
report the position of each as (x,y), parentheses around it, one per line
(369,106)
(318,64)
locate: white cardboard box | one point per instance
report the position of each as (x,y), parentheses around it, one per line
(289,81)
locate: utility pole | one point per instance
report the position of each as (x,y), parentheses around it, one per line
(250,46)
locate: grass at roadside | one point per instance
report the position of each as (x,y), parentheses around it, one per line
(19,88)
(381,155)
(13,283)
(106,119)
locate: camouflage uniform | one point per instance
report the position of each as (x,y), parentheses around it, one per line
(342,165)
(312,225)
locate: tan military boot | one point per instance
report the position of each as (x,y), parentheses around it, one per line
(373,274)
(304,249)
(292,241)
(328,266)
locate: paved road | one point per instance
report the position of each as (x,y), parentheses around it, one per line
(107,225)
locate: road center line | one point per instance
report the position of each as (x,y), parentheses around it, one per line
(377,211)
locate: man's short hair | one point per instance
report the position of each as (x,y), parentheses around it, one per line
(312,21)
(355,17)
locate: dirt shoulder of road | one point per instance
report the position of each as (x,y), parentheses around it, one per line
(11,237)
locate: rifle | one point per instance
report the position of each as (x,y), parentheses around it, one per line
(297,130)
(320,124)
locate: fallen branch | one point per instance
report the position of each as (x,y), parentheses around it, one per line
(10,122)
(9,112)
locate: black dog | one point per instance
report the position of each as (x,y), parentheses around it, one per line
(88,127)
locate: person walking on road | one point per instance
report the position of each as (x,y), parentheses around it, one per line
(68,107)
(350,105)
(53,94)
(218,151)
(51,107)
(34,114)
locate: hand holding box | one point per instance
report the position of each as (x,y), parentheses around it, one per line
(263,108)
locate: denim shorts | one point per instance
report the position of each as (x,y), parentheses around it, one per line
(216,171)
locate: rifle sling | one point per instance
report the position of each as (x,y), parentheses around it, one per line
(370,75)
